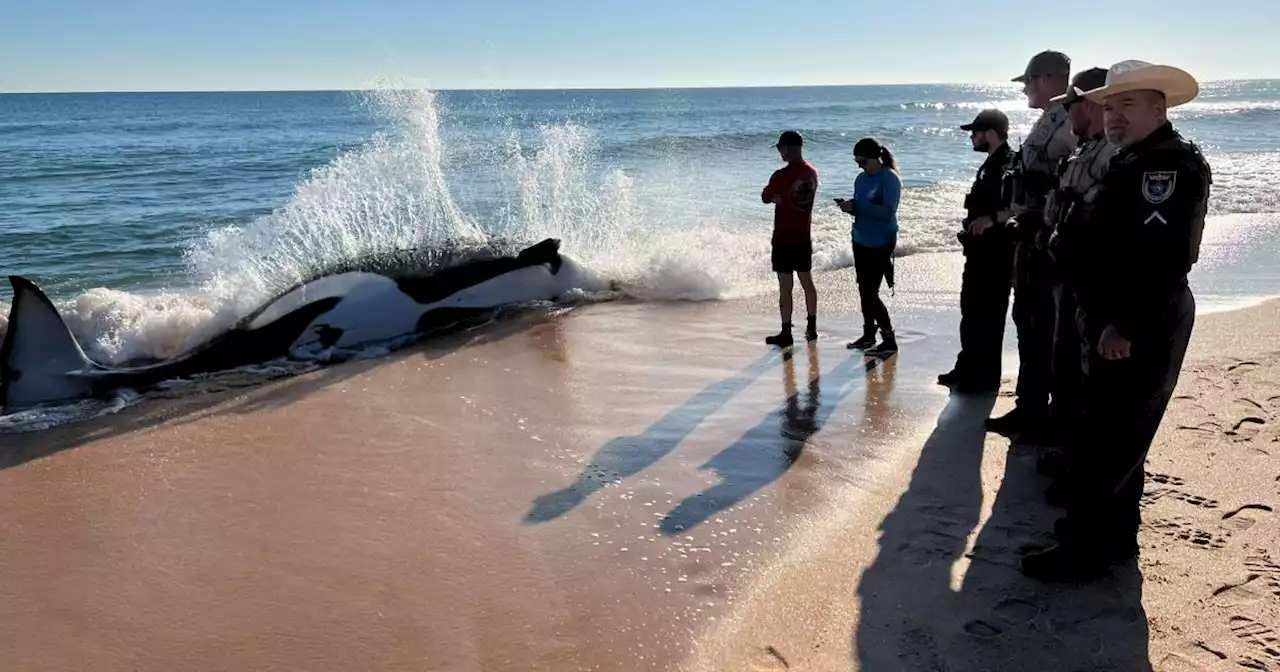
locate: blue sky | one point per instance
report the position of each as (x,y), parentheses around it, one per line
(145,45)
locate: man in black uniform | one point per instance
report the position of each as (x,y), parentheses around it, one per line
(1035,173)
(1079,172)
(988,264)
(1139,235)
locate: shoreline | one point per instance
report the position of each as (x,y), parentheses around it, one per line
(565,493)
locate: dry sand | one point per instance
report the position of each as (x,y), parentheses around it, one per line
(923,575)
(587,492)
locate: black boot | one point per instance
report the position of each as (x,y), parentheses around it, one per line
(782,339)
(1067,563)
(1015,422)
(1076,559)
(811,331)
(888,345)
(868,339)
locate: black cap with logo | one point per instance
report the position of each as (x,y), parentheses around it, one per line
(988,120)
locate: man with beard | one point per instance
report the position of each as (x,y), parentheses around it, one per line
(1035,170)
(1138,237)
(988,263)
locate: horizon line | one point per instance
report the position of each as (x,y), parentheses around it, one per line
(554,89)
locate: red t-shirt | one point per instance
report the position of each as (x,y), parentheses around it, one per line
(797,184)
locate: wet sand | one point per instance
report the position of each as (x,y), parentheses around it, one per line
(622,487)
(587,491)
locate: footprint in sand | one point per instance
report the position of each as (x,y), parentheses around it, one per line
(1246,516)
(982,629)
(1247,429)
(1185,531)
(1204,428)
(1192,657)
(1238,594)
(1153,496)
(1249,402)
(1017,611)
(1245,365)
(1165,479)
(1262,639)
(1262,567)
(769,659)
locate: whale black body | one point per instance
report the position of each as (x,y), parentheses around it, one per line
(41,362)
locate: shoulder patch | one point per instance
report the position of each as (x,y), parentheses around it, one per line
(1157,186)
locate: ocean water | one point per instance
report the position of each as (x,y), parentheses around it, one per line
(154,220)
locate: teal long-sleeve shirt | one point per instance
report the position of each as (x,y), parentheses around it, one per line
(875,208)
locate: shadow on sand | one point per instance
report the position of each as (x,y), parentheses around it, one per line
(929,603)
(627,456)
(251,394)
(770,448)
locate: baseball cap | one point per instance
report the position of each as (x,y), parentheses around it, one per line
(791,139)
(1088,80)
(988,120)
(1047,62)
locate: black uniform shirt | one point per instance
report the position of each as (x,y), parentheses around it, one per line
(989,194)
(1140,234)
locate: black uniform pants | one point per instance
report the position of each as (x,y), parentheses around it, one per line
(1035,316)
(984,304)
(1125,401)
(1066,410)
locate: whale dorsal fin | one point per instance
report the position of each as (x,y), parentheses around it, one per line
(40,360)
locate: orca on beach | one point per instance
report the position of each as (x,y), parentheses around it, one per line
(41,362)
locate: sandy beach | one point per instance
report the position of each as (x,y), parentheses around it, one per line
(923,576)
(633,486)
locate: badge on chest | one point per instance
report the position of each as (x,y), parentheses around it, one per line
(1157,186)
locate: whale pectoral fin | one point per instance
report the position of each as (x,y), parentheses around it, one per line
(545,252)
(274,337)
(40,358)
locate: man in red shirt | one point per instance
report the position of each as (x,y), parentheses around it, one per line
(792,190)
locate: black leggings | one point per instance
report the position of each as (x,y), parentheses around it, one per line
(873,265)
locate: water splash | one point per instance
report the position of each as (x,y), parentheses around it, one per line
(389,195)
(658,234)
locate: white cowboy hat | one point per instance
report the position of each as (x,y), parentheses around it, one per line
(1177,85)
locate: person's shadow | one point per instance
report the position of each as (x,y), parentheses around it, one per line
(627,456)
(927,604)
(768,450)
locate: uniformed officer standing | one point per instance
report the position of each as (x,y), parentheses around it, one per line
(1139,236)
(1035,172)
(988,263)
(1080,171)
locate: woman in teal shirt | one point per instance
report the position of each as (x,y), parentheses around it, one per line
(876,193)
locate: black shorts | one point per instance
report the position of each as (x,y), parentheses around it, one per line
(792,257)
